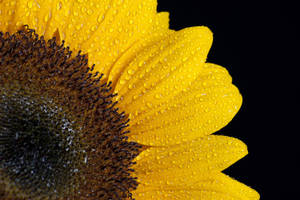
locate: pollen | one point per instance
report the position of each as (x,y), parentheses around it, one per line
(61,134)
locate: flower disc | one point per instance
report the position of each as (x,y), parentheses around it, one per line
(61,135)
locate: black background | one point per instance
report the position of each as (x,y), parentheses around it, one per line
(251,39)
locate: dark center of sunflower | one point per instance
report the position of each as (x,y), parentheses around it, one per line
(61,136)
(39,145)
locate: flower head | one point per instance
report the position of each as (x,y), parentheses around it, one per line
(72,75)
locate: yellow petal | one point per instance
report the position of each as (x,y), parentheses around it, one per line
(103,29)
(159,31)
(35,13)
(202,108)
(164,69)
(124,24)
(211,153)
(205,186)
(7,12)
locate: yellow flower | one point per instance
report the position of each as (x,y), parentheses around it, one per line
(173,98)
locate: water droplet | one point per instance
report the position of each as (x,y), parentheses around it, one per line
(30,4)
(90,12)
(120,2)
(158,96)
(130,71)
(130,86)
(59,6)
(122,82)
(94,28)
(47,17)
(141,63)
(78,27)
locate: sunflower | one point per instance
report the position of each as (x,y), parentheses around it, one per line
(72,75)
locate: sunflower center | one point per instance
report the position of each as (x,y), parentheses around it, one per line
(39,146)
(61,135)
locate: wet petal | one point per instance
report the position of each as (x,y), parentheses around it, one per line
(202,108)
(159,31)
(164,69)
(211,153)
(204,186)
